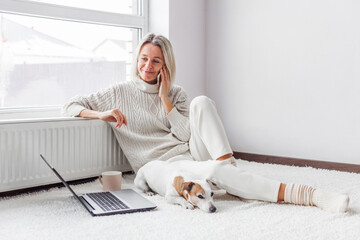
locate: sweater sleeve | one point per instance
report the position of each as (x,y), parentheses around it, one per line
(179,116)
(100,101)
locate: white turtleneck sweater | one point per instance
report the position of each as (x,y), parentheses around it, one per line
(150,134)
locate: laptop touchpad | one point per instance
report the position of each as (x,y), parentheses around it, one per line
(133,199)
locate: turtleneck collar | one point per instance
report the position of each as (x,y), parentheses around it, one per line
(144,86)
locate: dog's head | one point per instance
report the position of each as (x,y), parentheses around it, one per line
(197,192)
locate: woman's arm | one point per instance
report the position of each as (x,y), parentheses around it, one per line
(96,106)
(164,89)
(178,114)
(113,115)
(167,104)
(87,113)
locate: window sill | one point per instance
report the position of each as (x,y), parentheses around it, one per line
(33,120)
(29,115)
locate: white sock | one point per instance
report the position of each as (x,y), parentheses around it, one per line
(299,194)
(305,195)
(332,202)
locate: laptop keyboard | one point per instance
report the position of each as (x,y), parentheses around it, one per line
(107,201)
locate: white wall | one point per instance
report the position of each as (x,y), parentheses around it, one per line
(159,17)
(187,34)
(286,76)
(183,22)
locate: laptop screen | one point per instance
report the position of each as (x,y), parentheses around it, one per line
(58,175)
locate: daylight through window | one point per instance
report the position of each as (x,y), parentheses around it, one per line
(45,62)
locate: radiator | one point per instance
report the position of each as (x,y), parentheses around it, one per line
(76,148)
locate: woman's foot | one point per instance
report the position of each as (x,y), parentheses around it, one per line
(332,202)
(305,195)
(231,160)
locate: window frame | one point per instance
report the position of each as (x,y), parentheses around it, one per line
(66,13)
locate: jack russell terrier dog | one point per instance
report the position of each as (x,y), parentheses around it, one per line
(177,184)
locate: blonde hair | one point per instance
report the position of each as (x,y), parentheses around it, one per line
(167,51)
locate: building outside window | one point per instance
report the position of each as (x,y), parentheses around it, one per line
(52,50)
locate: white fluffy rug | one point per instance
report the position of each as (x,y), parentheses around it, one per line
(55,214)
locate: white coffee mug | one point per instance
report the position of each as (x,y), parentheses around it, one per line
(111,180)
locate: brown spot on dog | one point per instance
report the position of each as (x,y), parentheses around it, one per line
(195,191)
(178,184)
(188,186)
(187,189)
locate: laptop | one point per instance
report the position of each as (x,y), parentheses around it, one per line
(111,202)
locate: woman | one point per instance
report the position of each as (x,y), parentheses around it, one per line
(152,119)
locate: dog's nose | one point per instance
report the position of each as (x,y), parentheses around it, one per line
(212,209)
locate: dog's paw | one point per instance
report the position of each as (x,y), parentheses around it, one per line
(150,193)
(188,205)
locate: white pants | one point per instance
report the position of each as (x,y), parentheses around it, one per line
(209,141)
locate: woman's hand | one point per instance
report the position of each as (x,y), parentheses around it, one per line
(113,115)
(164,88)
(164,83)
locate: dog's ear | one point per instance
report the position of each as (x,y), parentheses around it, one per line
(182,188)
(179,184)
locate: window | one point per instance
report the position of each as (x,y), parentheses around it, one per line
(52,50)
(115,6)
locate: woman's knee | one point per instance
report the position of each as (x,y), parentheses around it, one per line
(201,102)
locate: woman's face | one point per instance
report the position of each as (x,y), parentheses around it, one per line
(150,62)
